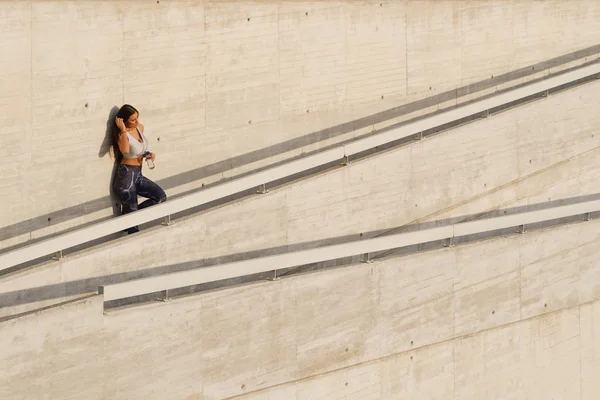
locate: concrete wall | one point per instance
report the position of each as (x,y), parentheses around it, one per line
(543,151)
(514,317)
(223,84)
(545,357)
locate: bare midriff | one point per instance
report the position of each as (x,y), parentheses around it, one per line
(123,139)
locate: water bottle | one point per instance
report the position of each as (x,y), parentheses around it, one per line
(149,160)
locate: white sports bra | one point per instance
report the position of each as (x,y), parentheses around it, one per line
(136,148)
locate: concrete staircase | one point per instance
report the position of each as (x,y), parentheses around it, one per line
(541,151)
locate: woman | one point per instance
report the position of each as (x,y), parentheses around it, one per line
(130,146)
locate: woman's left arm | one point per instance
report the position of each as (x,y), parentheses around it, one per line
(152,155)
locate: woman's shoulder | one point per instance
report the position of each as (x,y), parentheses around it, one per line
(141,127)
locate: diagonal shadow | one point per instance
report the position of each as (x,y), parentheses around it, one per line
(85,286)
(314,171)
(95,205)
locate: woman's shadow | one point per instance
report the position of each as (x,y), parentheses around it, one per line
(105,148)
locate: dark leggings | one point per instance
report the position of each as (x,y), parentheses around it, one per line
(129,184)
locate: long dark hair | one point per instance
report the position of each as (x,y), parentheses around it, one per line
(125,112)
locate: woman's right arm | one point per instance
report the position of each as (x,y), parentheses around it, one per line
(123,141)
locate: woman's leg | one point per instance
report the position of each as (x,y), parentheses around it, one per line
(154,193)
(125,188)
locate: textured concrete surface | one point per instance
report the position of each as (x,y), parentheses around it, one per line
(545,150)
(463,322)
(227,86)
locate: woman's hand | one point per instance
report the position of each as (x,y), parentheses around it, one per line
(144,157)
(120,124)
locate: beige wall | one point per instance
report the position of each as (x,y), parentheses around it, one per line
(218,80)
(513,317)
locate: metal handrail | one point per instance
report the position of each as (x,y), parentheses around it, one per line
(84,235)
(215,273)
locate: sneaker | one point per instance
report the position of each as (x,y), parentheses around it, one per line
(135,229)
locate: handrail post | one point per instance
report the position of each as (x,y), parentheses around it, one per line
(262,189)
(274,277)
(521,229)
(167,220)
(345,160)
(164,296)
